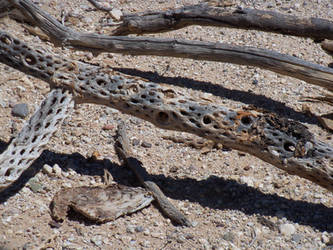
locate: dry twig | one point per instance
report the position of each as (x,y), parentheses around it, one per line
(126,155)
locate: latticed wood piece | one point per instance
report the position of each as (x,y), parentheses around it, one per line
(100,204)
(36,133)
(284,143)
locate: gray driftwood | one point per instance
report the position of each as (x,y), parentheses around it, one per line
(227,16)
(126,155)
(273,61)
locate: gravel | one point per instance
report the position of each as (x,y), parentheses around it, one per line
(223,191)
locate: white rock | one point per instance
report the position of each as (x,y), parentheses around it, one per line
(287,229)
(57,170)
(47,169)
(247,180)
(325,238)
(116,14)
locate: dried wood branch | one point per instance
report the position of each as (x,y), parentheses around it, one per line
(126,155)
(273,61)
(99,6)
(230,16)
(284,143)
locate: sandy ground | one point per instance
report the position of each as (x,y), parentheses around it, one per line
(236,200)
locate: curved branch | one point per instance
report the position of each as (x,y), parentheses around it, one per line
(273,61)
(231,17)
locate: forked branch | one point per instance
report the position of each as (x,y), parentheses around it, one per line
(273,61)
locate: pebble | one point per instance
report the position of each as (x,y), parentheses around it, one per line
(255,82)
(47,169)
(139,229)
(97,240)
(297,238)
(57,170)
(146,144)
(20,110)
(327,239)
(108,127)
(130,229)
(135,142)
(247,180)
(229,236)
(330,241)
(287,229)
(205,243)
(145,243)
(35,186)
(116,14)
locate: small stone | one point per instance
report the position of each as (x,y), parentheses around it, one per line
(66,185)
(35,186)
(139,229)
(130,229)
(330,241)
(47,169)
(205,243)
(194,223)
(108,127)
(97,240)
(145,243)
(297,238)
(20,110)
(247,180)
(247,168)
(146,144)
(116,14)
(325,238)
(89,56)
(173,169)
(135,142)
(255,82)
(54,224)
(287,229)
(57,170)
(155,235)
(229,236)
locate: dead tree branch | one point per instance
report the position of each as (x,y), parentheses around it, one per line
(126,155)
(273,61)
(231,17)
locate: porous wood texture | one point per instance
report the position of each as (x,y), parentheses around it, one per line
(284,143)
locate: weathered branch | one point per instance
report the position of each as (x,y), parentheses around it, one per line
(99,6)
(273,61)
(231,17)
(284,143)
(126,155)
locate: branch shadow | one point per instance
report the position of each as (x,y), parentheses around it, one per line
(249,98)
(214,192)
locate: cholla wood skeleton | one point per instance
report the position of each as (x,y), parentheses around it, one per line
(284,143)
